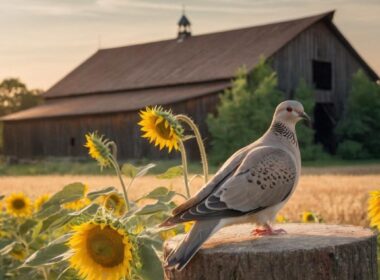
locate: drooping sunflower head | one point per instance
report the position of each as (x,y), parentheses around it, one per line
(115,202)
(80,203)
(41,201)
(374,209)
(18,205)
(98,148)
(161,127)
(309,217)
(101,250)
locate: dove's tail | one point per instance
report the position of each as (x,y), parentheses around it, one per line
(200,232)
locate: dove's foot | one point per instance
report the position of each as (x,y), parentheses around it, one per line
(267,230)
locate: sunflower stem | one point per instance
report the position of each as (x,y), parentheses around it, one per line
(184,166)
(113,150)
(44,272)
(118,172)
(201,146)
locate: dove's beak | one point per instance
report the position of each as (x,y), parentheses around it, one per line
(306,118)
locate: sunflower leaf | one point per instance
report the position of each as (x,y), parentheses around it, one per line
(151,264)
(144,169)
(96,194)
(129,170)
(152,208)
(52,219)
(51,254)
(172,172)
(132,171)
(69,193)
(6,246)
(26,226)
(162,194)
(47,211)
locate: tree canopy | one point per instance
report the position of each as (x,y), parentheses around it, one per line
(245,111)
(15,96)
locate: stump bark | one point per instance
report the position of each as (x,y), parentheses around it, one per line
(307,251)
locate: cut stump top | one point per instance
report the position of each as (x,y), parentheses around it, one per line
(307,251)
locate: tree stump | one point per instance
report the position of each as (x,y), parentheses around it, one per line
(307,251)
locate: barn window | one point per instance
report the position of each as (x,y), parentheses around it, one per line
(322,75)
(72,141)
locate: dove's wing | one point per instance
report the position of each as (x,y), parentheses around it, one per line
(228,169)
(265,178)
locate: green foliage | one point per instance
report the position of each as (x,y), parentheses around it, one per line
(349,149)
(42,238)
(361,122)
(15,96)
(309,150)
(245,111)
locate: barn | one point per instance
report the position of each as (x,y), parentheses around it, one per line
(186,74)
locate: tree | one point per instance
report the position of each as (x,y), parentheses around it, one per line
(15,96)
(245,111)
(309,150)
(358,130)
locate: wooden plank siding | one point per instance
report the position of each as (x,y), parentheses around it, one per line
(52,137)
(43,137)
(318,42)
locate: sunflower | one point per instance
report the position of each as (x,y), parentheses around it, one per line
(374,209)
(115,203)
(18,205)
(41,201)
(281,219)
(188,226)
(309,217)
(98,148)
(168,234)
(160,126)
(18,253)
(80,203)
(101,251)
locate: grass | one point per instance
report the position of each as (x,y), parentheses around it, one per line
(72,167)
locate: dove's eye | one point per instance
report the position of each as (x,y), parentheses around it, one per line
(289,109)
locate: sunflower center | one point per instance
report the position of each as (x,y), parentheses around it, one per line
(18,204)
(105,246)
(310,218)
(163,131)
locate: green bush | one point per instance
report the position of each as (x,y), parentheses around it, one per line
(244,112)
(349,149)
(361,122)
(309,150)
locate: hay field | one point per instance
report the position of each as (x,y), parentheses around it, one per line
(337,194)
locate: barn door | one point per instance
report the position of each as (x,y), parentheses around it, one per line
(324,125)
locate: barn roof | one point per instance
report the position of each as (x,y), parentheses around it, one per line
(130,78)
(117,102)
(208,57)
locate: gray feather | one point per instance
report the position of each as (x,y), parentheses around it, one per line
(184,252)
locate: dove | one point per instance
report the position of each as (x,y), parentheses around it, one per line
(250,187)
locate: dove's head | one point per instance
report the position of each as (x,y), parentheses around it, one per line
(290,111)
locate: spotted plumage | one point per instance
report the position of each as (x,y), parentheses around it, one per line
(252,185)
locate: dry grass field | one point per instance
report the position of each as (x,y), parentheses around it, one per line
(337,194)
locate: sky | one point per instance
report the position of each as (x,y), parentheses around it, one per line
(43,40)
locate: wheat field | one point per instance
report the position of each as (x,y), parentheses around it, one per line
(337,194)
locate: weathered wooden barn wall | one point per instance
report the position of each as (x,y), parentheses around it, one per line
(62,137)
(318,42)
